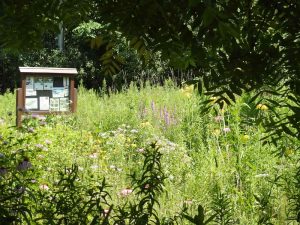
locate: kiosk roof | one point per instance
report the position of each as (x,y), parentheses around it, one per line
(51,70)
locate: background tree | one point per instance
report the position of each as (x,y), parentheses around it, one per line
(233,46)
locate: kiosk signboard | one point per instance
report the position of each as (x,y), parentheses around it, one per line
(46,90)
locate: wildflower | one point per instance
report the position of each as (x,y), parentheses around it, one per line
(2,155)
(93,155)
(20,189)
(226,129)
(262,107)
(24,165)
(262,175)
(187,91)
(44,187)
(145,124)
(2,121)
(33,181)
(94,167)
(140,150)
(245,138)
(41,156)
(30,130)
(188,202)
(133,131)
(112,167)
(105,212)
(3,171)
(133,145)
(42,118)
(288,151)
(218,118)
(216,132)
(40,146)
(43,123)
(48,142)
(125,192)
(153,106)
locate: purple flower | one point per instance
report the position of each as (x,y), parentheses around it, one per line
(20,189)
(24,165)
(153,106)
(2,155)
(30,130)
(3,171)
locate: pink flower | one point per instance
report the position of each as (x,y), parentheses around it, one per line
(125,192)
(226,129)
(188,202)
(140,150)
(93,155)
(44,187)
(218,118)
(48,142)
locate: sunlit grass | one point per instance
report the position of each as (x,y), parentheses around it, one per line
(107,134)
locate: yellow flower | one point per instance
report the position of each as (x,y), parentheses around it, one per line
(288,151)
(245,138)
(262,107)
(133,145)
(187,91)
(145,124)
(217,132)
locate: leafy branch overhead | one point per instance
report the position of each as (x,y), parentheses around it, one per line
(233,46)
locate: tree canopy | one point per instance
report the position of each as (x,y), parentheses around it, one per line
(233,45)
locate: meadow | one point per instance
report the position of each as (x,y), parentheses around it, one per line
(146,155)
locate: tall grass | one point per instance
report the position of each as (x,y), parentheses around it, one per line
(215,159)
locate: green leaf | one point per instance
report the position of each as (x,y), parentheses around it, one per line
(208,16)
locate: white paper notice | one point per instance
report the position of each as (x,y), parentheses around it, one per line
(63,104)
(44,103)
(29,83)
(31,103)
(66,82)
(38,83)
(66,92)
(58,92)
(54,104)
(48,83)
(30,92)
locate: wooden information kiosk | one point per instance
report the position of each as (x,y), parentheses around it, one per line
(46,90)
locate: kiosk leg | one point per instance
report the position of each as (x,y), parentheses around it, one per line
(19,108)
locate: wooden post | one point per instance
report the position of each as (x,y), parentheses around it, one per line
(19,108)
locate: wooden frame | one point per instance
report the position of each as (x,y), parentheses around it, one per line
(42,72)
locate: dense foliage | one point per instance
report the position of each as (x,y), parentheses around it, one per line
(162,161)
(233,46)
